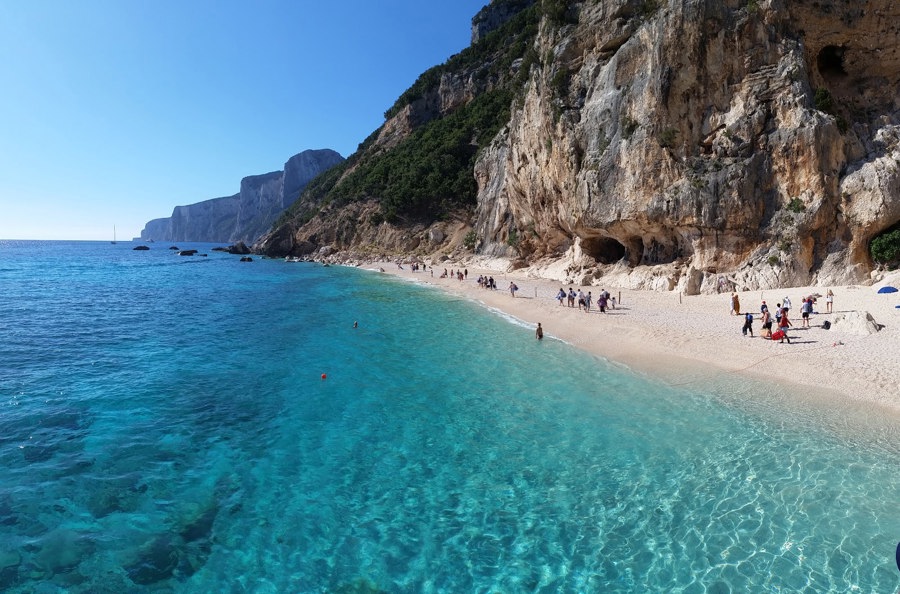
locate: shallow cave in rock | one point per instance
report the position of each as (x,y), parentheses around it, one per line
(660,251)
(604,250)
(830,62)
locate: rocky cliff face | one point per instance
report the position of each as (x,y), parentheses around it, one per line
(495,15)
(680,144)
(247,215)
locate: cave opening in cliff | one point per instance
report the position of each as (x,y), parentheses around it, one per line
(604,250)
(831,62)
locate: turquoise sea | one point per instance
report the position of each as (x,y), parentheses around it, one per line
(165,427)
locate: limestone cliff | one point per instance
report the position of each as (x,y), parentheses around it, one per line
(247,215)
(665,144)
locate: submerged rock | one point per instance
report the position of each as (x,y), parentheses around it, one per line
(155,563)
(9,568)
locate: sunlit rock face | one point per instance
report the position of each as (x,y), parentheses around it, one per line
(681,144)
(753,140)
(250,213)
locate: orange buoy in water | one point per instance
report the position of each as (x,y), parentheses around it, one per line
(324,376)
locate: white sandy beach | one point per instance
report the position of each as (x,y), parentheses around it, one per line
(683,339)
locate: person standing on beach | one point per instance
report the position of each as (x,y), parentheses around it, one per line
(539,332)
(748,325)
(829,300)
(766,323)
(735,305)
(783,324)
(805,310)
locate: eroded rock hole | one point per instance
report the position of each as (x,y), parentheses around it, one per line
(604,250)
(660,252)
(831,61)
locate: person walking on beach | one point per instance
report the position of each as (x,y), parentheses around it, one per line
(829,300)
(571,297)
(513,288)
(735,305)
(783,324)
(561,296)
(587,302)
(539,332)
(766,331)
(748,325)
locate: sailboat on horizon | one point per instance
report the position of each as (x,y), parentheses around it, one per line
(114,235)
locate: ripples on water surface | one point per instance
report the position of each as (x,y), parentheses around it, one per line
(164,427)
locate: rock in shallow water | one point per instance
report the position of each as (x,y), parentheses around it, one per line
(155,563)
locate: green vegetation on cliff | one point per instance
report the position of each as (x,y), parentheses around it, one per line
(885,249)
(430,172)
(424,177)
(489,59)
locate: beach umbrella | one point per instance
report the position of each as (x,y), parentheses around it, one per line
(887,290)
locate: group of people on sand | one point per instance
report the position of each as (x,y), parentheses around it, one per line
(487,282)
(585,301)
(782,316)
(459,275)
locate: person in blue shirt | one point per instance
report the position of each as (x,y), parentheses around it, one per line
(748,325)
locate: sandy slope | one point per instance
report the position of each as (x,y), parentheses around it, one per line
(684,338)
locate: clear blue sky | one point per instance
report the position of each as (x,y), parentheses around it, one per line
(112,112)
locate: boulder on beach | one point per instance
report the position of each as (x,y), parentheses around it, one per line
(856,322)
